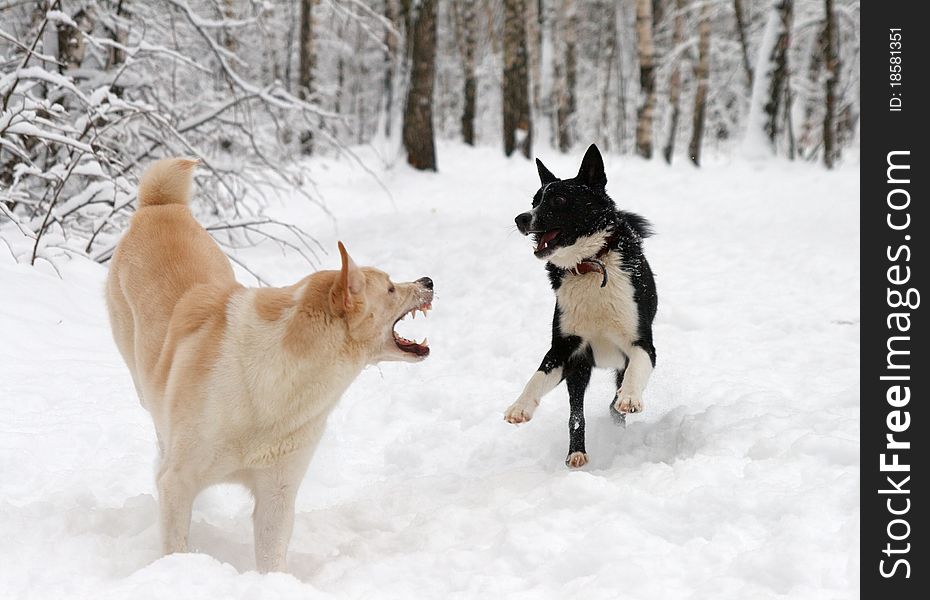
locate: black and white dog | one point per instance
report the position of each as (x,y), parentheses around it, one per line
(605,296)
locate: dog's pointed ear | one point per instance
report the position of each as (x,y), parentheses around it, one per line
(591,172)
(351,278)
(545,175)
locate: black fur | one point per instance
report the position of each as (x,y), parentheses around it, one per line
(576,208)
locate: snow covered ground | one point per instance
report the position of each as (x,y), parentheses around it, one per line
(740,480)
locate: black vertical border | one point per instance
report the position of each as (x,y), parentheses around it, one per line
(883,131)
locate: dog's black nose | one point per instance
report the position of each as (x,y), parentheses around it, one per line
(426,282)
(523,222)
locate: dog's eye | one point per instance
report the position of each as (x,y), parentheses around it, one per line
(559,201)
(391,289)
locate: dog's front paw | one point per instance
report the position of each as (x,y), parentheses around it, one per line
(576,460)
(628,403)
(520,411)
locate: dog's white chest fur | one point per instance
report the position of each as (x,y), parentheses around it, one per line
(606,318)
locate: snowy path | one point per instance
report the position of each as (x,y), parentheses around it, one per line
(739,481)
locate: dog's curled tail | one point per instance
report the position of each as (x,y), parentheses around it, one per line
(167,181)
(639,224)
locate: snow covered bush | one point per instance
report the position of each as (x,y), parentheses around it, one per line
(88,98)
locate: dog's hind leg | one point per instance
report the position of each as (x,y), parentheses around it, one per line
(618,417)
(577,382)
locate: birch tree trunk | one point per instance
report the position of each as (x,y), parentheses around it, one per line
(289,38)
(674,84)
(535,19)
(391,62)
(768,82)
(117,32)
(306,62)
(743,41)
(658,13)
(620,126)
(71,46)
(610,14)
(518,130)
(229,40)
(418,111)
(565,110)
(467,26)
(700,94)
(830,149)
(785,9)
(647,78)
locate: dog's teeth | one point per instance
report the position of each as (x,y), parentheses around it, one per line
(424,343)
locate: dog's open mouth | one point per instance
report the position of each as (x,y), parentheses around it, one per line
(544,243)
(420,349)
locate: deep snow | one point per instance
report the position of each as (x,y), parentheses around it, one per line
(740,480)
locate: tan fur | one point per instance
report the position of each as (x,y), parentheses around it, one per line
(238,381)
(270,303)
(168,182)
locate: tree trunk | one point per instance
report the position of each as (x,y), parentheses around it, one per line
(769,77)
(610,30)
(701,74)
(71,46)
(340,73)
(518,130)
(117,31)
(535,20)
(306,63)
(647,78)
(358,77)
(408,16)
(229,40)
(292,17)
(785,9)
(119,34)
(392,61)
(743,41)
(418,111)
(271,42)
(658,13)
(674,84)
(830,148)
(806,105)
(467,26)
(565,111)
(620,126)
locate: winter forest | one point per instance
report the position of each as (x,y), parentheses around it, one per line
(91,90)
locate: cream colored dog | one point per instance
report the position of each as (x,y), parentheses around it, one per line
(239,381)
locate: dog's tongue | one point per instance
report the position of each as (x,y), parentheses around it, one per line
(546,238)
